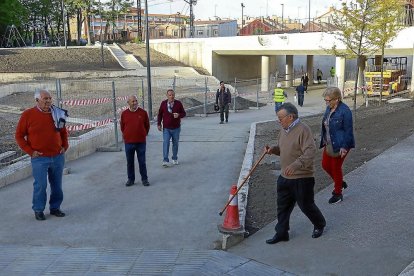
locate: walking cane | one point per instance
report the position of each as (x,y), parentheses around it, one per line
(244,181)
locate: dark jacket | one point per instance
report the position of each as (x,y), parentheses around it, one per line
(340,128)
(167,118)
(223,97)
(300,89)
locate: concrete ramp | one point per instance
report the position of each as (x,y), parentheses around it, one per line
(127,61)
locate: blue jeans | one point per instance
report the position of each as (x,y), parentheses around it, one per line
(42,169)
(300,99)
(277,106)
(174,135)
(130,150)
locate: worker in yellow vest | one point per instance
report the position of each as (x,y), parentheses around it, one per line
(279,96)
(394,86)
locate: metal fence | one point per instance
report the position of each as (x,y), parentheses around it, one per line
(94,106)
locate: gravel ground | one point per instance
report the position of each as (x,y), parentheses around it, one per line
(33,60)
(376,130)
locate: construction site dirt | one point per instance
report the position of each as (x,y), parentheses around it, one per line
(376,128)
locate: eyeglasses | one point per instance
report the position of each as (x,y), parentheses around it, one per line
(281,118)
(328,101)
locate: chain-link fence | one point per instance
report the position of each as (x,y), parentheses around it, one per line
(94,106)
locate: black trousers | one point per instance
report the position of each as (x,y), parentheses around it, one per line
(224,111)
(291,191)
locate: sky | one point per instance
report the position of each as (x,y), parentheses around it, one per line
(205,9)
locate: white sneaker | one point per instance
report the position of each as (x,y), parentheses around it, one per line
(165,164)
(175,162)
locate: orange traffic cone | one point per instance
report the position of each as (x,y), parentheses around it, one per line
(231,222)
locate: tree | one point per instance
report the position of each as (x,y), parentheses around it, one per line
(79,8)
(354,25)
(114,9)
(360,28)
(11,13)
(388,23)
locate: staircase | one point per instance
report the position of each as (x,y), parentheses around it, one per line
(127,61)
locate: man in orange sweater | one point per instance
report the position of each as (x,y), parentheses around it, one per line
(135,127)
(296,148)
(37,135)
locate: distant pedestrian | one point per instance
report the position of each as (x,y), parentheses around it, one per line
(394,87)
(296,148)
(42,134)
(319,76)
(300,93)
(169,122)
(135,127)
(337,139)
(305,81)
(332,72)
(223,100)
(279,96)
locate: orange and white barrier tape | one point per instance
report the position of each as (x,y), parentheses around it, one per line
(88,126)
(83,102)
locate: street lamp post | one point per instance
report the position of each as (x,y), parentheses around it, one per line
(148,61)
(100,35)
(242,19)
(309,22)
(283,27)
(64,24)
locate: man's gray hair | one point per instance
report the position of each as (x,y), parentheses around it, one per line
(38,91)
(290,109)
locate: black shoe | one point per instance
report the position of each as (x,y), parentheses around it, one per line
(57,212)
(129,183)
(277,239)
(227,121)
(221,122)
(344,185)
(145,182)
(40,216)
(335,199)
(317,232)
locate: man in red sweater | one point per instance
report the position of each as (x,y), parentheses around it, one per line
(37,135)
(296,148)
(135,127)
(169,122)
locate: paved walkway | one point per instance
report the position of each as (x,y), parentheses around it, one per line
(170,227)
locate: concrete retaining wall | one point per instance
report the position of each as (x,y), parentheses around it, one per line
(10,78)
(85,145)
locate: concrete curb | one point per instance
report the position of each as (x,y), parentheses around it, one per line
(408,271)
(230,240)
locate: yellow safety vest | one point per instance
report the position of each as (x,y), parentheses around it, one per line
(278,96)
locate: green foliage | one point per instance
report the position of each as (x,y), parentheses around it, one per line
(47,14)
(353,23)
(365,25)
(11,13)
(388,22)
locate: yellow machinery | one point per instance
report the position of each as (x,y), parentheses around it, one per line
(394,75)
